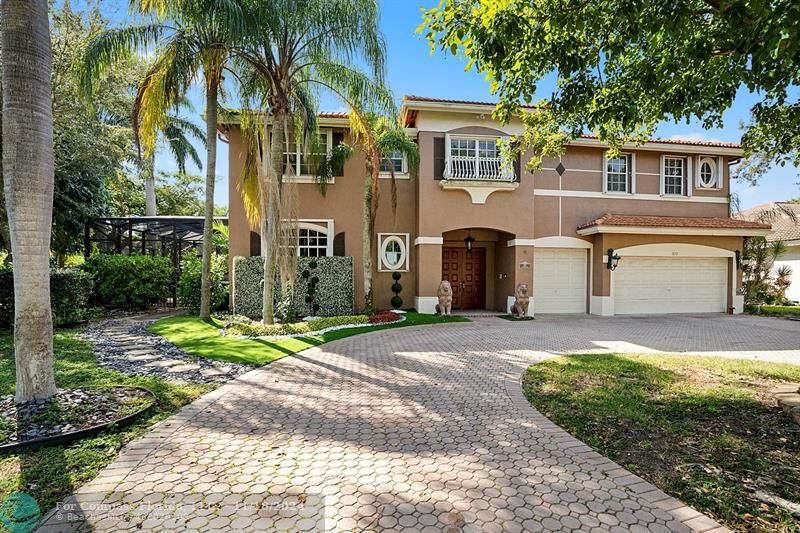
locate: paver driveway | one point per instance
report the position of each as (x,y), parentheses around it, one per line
(417,429)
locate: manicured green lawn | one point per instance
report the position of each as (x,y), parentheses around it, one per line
(50,474)
(703,429)
(202,338)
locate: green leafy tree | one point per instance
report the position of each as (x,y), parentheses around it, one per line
(176,135)
(193,39)
(302,47)
(621,67)
(176,195)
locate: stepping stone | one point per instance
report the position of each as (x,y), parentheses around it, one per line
(183,368)
(211,372)
(164,363)
(142,357)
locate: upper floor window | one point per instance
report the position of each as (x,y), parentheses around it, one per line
(302,162)
(475,158)
(618,172)
(673,176)
(708,173)
(393,161)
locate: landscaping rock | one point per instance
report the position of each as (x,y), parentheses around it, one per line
(788,398)
(126,346)
(68,411)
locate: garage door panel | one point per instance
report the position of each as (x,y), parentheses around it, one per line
(671,285)
(559,280)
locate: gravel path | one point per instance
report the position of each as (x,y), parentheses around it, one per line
(125,345)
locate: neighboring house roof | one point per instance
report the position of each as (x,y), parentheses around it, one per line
(688,142)
(778,214)
(650,221)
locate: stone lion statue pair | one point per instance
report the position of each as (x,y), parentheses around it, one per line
(445,295)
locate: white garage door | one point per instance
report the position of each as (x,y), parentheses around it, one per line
(559,280)
(645,285)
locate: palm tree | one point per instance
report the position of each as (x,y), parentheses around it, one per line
(175,133)
(303,46)
(194,38)
(28,183)
(376,137)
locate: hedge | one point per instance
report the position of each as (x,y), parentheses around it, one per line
(70,292)
(334,292)
(189,283)
(130,281)
(310,326)
(779,310)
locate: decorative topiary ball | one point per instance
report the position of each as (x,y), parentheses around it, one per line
(397,288)
(315,307)
(396,301)
(309,298)
(312,264)
(396,276)
(314,280)
(306,274)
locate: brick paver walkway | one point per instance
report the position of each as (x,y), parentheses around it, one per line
(414,429)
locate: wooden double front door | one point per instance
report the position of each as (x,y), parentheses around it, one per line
(466,272)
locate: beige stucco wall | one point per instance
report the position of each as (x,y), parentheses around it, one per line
(342,203)
(443,217)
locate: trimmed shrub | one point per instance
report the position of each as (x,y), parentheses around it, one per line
(70,292)
(297,328)
(778,310)
(130,281)
(333,293)
(191,275)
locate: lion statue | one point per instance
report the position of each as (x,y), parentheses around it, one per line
(445,294)
(520,307)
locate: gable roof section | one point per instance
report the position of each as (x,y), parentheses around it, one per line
(778,214)
(413,104)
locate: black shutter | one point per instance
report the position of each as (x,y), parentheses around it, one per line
(438,158)
(517,165)
(338,138)
(339,245)
(255,244)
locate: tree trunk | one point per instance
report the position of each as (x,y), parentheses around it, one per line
(150,186)
(29,173)
(370,245)
(272,199)
(212,88)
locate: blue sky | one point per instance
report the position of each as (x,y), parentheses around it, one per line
(413,70)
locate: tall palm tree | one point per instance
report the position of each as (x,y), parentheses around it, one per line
(29,169)
(176,134)
(194,39)
(303,46)
(376,137)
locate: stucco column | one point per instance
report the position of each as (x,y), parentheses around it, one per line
(523,273)
(601,302)
(428,273)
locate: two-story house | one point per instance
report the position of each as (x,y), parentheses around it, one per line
(647,231)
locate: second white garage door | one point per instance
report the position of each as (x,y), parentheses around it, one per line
(644,285)
(559,280)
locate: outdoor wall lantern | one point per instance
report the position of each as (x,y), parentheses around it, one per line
(742,260)
(468,240)
(613,260)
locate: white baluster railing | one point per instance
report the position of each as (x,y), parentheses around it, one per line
(478,169)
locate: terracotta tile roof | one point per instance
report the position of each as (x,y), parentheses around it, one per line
(333,114)
(415,98)
(784,217)
(690,142)
(673,222)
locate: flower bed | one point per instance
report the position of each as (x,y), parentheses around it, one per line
(71,412)
(314,326)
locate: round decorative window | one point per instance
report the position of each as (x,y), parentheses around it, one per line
(394,253)
(708,174)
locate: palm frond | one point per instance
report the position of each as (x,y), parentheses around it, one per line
(111,46)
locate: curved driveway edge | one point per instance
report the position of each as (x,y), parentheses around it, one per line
(413,429)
